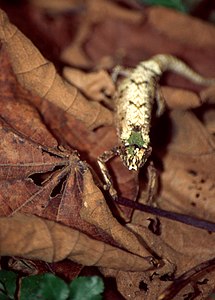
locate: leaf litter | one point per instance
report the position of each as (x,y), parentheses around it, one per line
(40,178)
(55,184)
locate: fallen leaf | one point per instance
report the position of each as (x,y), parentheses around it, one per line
(183,152)
(52,182)
(37,238)
(190,177)
(96,85)
(30,66)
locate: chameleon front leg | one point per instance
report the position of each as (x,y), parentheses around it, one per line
(152,175)
(102,160)
(107,155)
(120,71)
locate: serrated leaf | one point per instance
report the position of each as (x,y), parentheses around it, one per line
(7,284)
(88,288)
(44,287)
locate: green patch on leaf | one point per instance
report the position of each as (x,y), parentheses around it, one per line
(87,288)
(136,139)
(175,4)
(45,287)
(7,284)
(50,287)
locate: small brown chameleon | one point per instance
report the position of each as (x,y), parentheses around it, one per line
(134,100)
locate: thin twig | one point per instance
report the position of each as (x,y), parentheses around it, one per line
(185,278)
(182,218)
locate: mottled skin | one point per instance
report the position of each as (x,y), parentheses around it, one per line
(134,101)
(135,98)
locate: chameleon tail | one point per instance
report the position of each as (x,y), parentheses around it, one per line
(170,63)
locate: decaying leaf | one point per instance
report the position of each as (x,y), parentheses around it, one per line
(52,182)
(189,181)
(37,238)
(95,11)
(30,66)
(42,175)
(96,85)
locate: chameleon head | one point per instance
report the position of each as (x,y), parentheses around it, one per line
(135,150)
(134,157)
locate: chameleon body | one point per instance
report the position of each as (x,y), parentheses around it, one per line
(135,98)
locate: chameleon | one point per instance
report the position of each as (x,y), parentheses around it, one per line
(134,101)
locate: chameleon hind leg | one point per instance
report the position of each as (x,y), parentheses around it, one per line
(160,100)
(152,175)
(107,155)
(152,186)
(102,160)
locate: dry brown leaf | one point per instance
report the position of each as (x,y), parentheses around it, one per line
(55,6)
(183,146)
(96,11)
(51,182)
(96,212)
(157,18)
(37,238)
(66,268)
(175,242)
(136,285)
(39,76)
(96,85)
(189,173)
(145,33)
(180,98)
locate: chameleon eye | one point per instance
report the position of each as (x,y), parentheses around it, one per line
(135,147)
